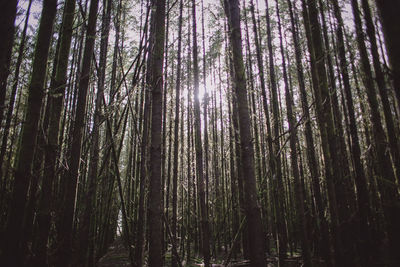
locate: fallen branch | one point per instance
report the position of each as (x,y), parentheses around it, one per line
(228,259)
(174,250)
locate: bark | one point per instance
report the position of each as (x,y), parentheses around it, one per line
(201,190)
(189,146)
(76,133)
(291,118)
(325,119)
(13,95)
(391,29)
(56,99)
(344,193)
(359,175)
(156,84)
(8,14)
(383,166)
(278,189)
(324,239)
(205,110)
(143,160)
(382,89)
(234,183)
(176,132)
(233,115)
(253,213)
(29,132)
(87,238)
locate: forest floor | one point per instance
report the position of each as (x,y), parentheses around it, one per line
(118,256)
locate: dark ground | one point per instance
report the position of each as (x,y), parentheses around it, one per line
(117,255)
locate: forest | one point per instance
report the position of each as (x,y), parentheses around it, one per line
(199,133)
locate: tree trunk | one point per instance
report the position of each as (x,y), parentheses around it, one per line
(176,132)
(156,84)
(56,98)
(361,183)
(391,29)
(278,189)
(324,241)
(76,133)
(29,132)
(8,14)
(325,119)
(384,170)
(205,230)
(13,95)
(301,218)
(253,213)
(86,234)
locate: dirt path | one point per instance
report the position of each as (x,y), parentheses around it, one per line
(117,255)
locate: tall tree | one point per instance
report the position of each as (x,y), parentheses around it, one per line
(86,235)
(176,132)
(56,99)
(299,194)
(76,132)
(156,83)
(359,175)
(8,14)
(382,89)
(324,118)
(310,147)
(384,168)
(201,191)
(391,29)
(27,145)
(278,189)
(253,212)
(13,95)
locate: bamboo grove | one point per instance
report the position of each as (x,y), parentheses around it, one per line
(258,132)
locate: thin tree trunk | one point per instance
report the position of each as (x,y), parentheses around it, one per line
(382,89)
(324,241)
(361,183)
(325,119)
(176,132)
(76,133)
(56,98)
(7,19)
(391,28)
(199,149)
(13,95)
(86,234)
(384,170)
(278,189)
(253,213)
(29,132)
(302,222)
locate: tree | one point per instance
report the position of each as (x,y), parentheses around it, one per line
(55,98)
(302,222)
(391,29)
(8,14)
(157,148)
(176,132)
(384,168)
(22,175)
(76,133)
(324,117)
(156,69)
(201,191)
(253,212)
